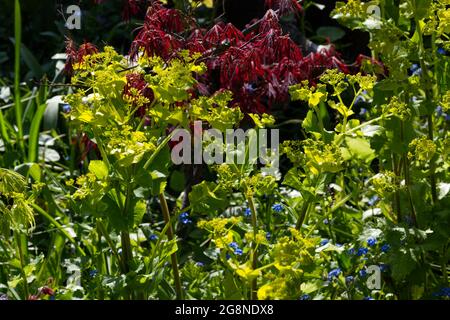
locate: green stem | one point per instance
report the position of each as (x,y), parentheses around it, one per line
(254,283)
(17,100)
(22,263)
(406,172)
(397,204)
(127,253)
(428,94)
(108,239)
(433,183)
(170,236)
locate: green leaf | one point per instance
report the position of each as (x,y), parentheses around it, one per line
(402,264)
(99,168)
(421,8)
(292,179)
(310,123)
(203,198)
(159,182)
(359,148)
(31,62)
(333,33)
(177,181)
(140,208)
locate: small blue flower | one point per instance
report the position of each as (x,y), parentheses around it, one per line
(153,237)
(338,245)
(363,273)
(278,207)
(184,215)
(248,212)
(324,242)
(334,274)
(184,218)
(368,298)
(227,256)
(238,252)
(447,117)
(93,273)
(349,279)
(325,221)
(415,70)
(305,297)
(351,251)
(363,112)
(385,247)
(66,108)
(362,251)
(373,201)
(439,111)
(441,51)
(371,242)
(268,236)
(233,245)
(200,264)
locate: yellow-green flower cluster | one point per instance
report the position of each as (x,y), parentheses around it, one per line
(128,146)
(352,9)
(15,206)
(87,186)
(398,108)
(313,95)
(260,184)
(260,238)
(294,151)
(321,157)
(385,183)
(445,102)
(218,225)
(422,149)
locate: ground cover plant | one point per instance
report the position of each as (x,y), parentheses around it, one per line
(116,182)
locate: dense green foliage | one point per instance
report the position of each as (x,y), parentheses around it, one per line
(92,206)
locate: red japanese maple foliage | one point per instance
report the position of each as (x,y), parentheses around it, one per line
(257,64)
(75,55)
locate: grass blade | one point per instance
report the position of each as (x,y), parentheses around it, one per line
(34,133)
(3,131)
(17,45)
